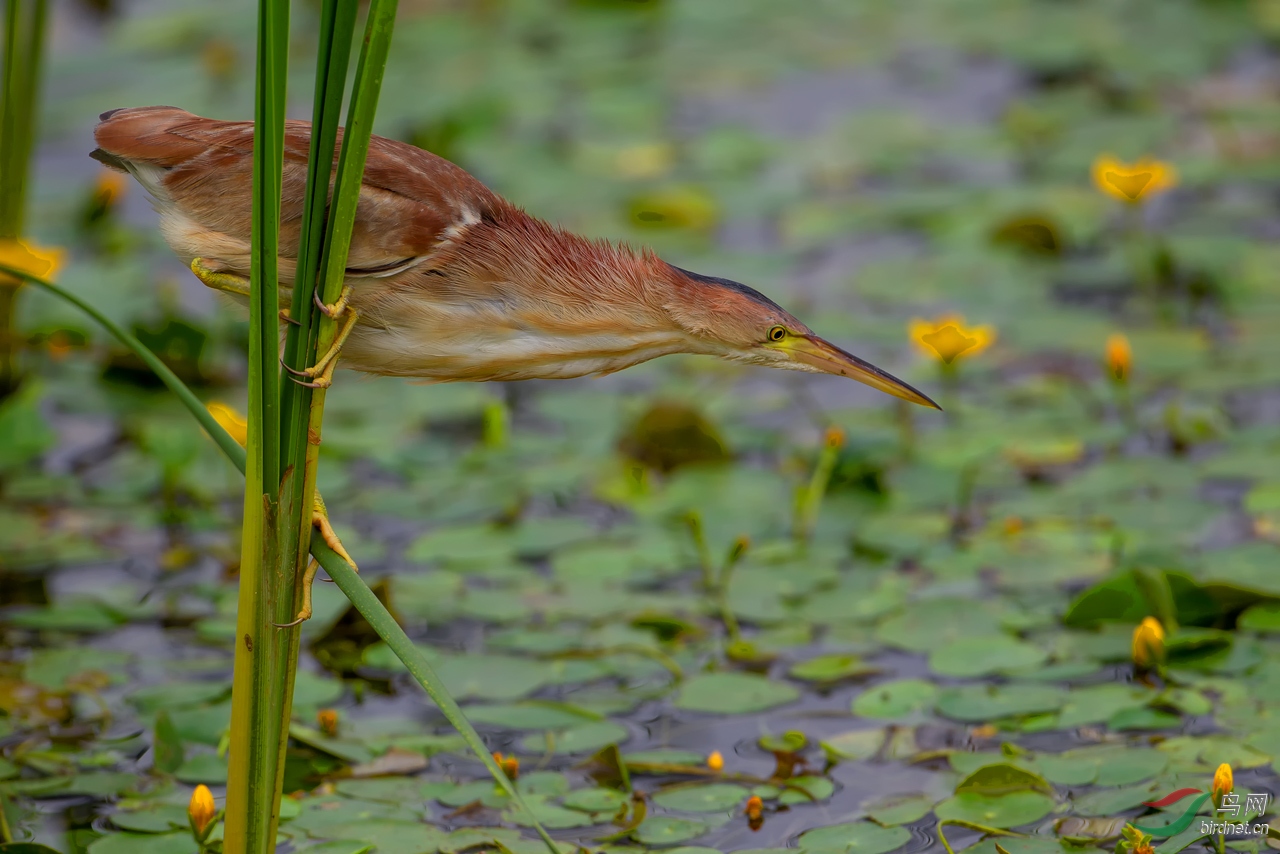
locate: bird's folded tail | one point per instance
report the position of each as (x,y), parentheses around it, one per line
(150,135)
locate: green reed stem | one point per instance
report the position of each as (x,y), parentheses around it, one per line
(364,600)
(809,499)
(261,692)
(221,437)
(19,87)
(337,23)
(297,488)
(351,584)
(736,552)
(981,828)
(693,519)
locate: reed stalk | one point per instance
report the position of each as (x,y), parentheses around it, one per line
(261,692)
(23,45)
(296,490)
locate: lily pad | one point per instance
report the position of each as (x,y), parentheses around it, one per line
(734,693)
(978,656)
(665,830)
(900,809)
(139,843)
(1010,810)
(1264,618)
(596,800)
(896,699)
(832,668)
(807,789)
(1001,779)
(856,744)
(713,797)
(992,702)
(586,738)
(530,715)
(855,837)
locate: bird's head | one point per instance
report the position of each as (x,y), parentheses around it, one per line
(736,322)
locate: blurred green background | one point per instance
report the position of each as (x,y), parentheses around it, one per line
(952,592)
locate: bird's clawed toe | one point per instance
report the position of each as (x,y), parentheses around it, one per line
(336,310)
(219,280)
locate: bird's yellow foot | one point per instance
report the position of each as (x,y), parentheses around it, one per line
(320,375)
(220,280)
(319,518)
(231,283)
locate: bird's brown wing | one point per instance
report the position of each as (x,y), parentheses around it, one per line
(410,201)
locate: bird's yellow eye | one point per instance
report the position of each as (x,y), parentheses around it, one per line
(777,333)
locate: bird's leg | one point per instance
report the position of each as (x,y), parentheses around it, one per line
(231,283)
(220,280)
(321,373)
(320,519)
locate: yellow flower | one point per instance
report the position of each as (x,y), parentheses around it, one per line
(1132,182)
(42,262)
(1135,840)
(683,207)
(109,187)
(231,421)
(1119,357)
(201,811)
(947,338)
(1223,782)
(755,808)
(510,765)
(327,719)
(834,438)
(715,761)
(1148,643)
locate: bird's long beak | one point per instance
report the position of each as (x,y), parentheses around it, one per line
(828,358)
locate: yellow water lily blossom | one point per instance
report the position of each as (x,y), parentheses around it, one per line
(109,187)
(40,261)
(1223,782)
(327,721)
(948,338)
(715,761)
(1132,182)
(755,808)
(1135,841)
(231,421)
(201,811)
(1148,643)
(510,765)
(1119,357)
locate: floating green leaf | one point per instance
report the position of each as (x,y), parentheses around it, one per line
(855,837)
(665,830)
(896,699)
(734,693)
(832,668)
(1010,810)
(713,797)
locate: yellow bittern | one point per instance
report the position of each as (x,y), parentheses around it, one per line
(447,280)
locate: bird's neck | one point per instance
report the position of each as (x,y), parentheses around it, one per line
(588,286)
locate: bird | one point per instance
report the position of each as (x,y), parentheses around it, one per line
(446,280)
